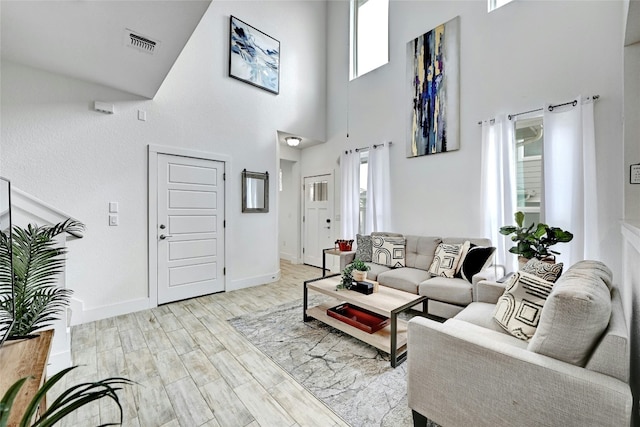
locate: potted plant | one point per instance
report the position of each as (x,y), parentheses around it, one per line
(360,269)
(37,261)
(534,241)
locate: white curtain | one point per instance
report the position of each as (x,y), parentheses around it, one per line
(498,186)
(378,190)
(570,181)
(350,194)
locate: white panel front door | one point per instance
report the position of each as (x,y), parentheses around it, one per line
(190,227)
(318,211)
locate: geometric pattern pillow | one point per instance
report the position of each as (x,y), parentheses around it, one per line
(446,259)
(388,251)
(518,309)
(364,248)
(544,270)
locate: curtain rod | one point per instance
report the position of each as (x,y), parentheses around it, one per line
(357,150)
(551,107)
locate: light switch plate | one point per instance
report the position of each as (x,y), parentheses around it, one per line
(113,207)
(113,220)
(634,177)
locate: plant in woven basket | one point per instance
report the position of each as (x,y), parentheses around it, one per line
(69,400)
(37,262)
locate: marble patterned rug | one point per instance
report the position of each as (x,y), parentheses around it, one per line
(354,379)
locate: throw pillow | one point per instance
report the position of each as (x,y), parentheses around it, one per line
(446,259)
(388,251)
(518,309)
(364,248)
(465,249)
(478,258)
(542,269)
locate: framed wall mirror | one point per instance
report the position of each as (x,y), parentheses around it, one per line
(255,192)
(7,317)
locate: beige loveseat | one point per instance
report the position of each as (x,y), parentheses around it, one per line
(446,296)
(574,371)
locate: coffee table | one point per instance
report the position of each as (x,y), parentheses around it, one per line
(388,302)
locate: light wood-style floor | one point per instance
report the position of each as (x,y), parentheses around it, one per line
(192,367)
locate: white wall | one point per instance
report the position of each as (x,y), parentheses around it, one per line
(512,60)
(288,212)
(56,148)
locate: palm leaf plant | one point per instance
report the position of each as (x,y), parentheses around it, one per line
(37,262)
(70,400)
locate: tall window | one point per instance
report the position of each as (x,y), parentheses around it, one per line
(369,36)
(529,138)
(364,171)
(494,4)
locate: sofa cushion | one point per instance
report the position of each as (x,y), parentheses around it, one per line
(375,270)
(576,314)
(405,279)
(481,314)
(519,309)
(388,251)
(478,241)
(476,259)
(445,259)
(544,270)
(420,250)
(454,291)
(363,248)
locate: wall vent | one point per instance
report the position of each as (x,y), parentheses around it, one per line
(139,42)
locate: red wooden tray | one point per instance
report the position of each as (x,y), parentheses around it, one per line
(358,317)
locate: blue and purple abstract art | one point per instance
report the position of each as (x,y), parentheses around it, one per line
(433,73)
(254,57)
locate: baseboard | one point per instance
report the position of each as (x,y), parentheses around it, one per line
(82,315)
(290,257)
(253,281)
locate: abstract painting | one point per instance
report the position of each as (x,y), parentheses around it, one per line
(254,57)
(433,74)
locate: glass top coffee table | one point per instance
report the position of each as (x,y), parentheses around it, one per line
(387,302)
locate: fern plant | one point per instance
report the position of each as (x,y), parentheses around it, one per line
(37,262)
(70,400)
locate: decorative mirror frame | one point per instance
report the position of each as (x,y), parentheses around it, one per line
(246,176)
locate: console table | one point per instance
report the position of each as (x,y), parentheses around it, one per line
(24,358)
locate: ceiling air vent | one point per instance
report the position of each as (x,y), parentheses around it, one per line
(139,42)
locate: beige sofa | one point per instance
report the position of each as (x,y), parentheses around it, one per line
(446,296)
(574,371)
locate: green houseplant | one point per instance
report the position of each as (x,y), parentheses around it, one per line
(37,263)
(360,269)
(535,241)
(69,400)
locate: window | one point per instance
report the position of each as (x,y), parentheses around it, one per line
(364,172)
(319,191)
(369,36)
(529,137)
(494,4)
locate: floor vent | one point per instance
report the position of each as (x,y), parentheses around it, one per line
(139,42)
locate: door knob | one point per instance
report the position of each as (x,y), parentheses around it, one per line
(162,236)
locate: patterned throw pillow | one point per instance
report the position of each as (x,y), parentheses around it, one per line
(364,248)
(518,309)
(542,269)
(446,259)
(477,259)
(388,251)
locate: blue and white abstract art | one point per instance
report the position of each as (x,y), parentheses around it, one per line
(254,57)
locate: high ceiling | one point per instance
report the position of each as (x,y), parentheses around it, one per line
(90,40)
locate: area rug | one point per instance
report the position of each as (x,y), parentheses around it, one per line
(352,378)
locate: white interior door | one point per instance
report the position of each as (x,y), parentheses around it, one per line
(318,212)
(190,232)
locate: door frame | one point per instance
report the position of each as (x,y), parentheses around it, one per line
(303,208)
(152,209)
